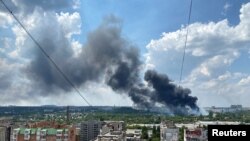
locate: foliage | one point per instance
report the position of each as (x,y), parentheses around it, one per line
(144,132)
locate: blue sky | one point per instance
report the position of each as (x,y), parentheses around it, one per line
(152,18)
(216,65)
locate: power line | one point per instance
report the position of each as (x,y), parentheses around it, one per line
(186,37)
(46,54)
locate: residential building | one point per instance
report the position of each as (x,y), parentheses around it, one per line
(5,133)
(90,130)
(112,136)
(78,131)
(44,134)
(46,124)
(116,125)
(197,134)
(112,130)
(133,134)
(231,109)
(206,123)
(2,133)
(169,132)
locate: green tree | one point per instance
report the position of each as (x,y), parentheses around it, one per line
(155,134)
(210,115)
(144,132)
(181,133)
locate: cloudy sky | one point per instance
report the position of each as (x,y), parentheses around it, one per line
(216,67)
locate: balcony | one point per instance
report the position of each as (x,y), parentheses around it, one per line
(65,138)
(26,136)
(59,133)
(65,134)
(43,132)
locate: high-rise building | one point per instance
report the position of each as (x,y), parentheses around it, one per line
(8,133)
(4,133)
(90,130)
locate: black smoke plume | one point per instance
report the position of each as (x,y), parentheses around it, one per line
(161,90)
(107,54)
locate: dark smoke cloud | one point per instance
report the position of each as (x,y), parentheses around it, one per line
(40,69)
(167,92)
(106,54)
(162,90)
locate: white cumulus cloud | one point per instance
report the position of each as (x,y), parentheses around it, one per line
(212,49)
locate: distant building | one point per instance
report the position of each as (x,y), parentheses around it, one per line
(112,136)
(169,132)
(231,109)
(206,123)
(112,131)
(5,133)
(150,133)
(90,130)
(44,134)
(236,107)
(133,134)
(197,134)
(146,125)
(114,126)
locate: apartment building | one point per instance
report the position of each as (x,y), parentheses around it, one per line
(90,130)
(44,134)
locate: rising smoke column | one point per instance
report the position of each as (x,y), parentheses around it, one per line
(167,92)
(160,90)
(106,54)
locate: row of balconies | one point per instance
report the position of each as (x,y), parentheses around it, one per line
(39,139)
(61,139)
(41,136)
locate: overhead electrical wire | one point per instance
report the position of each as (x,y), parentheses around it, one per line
(46,55)
(185,45)
(65,76)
